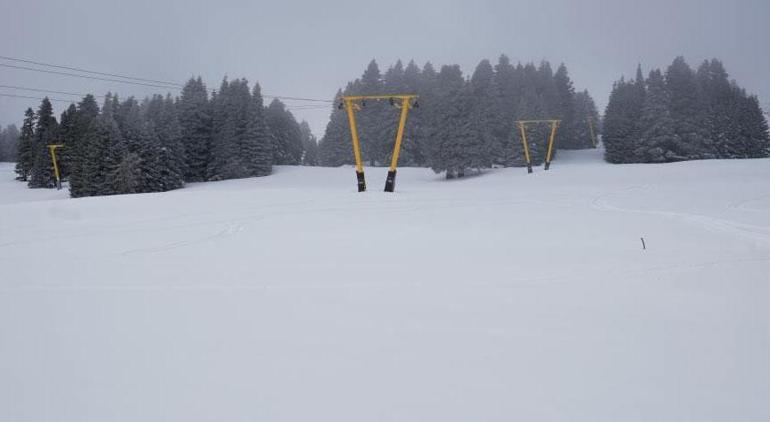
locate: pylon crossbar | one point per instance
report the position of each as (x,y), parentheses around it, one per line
(522,124)
(351,107)
(379,97)
(526,122)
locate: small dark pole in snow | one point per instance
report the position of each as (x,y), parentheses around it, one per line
(643,245)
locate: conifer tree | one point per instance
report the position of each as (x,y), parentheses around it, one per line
(165,126)
(230,121)
(393,80)
(687,111)
(258,147)
(336,148)
(411,82)
(41,174)
(567,137)
(67,138)
(128,176)
(619,125)
(587,119)
(241,145)
(485,117)
(536,99)
(285,134)
(109,149)
(453,147)
(309,145)
(545,86)
(720,103)
(658,140)
(195,121)
(25,152)
(223,134)
(637,100)
(376,126)
(385,117)
(140,168)
(9,139)
(102,152)
(754,129)
(622,124)
(508,80)
(87,112)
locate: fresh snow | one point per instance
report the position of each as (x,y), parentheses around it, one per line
(499,297)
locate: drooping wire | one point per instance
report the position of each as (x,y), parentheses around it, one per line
(15,59)
(22,88)
(143,81)
(2,94)
(74,75)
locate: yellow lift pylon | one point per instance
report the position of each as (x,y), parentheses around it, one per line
(52,150)
(523,130)
(350,102)
(590,121)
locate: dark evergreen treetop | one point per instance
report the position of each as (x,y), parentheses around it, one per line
(285,134)
(195,122)
(685,115)
(25,151)
(46,133)
(492,99)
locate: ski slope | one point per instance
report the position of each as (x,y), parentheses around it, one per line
(499,297)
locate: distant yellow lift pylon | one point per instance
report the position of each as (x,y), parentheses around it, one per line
(52,150)
(590,121)
(351,105)
(523,130)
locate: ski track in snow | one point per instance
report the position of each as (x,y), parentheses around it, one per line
(230,230)
(760,234)
(743,205)
(294,298)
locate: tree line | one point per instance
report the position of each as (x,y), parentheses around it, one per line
(683,114)
(462,123)
(9,138)
(161,143)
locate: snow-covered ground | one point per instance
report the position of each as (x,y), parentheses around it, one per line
(501,297)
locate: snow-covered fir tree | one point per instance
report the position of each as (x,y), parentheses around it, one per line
(686,115)
(9,139)
(87,112)
(285,134)
(194,113)
(658,141)
(68,137)
(46,131)
(309,145)
(25,148)
(335,148)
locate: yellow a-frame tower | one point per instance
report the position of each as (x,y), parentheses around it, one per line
(52,149)
(590,121)
(523,129)
(351,105)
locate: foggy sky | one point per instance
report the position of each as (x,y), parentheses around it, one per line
(312,48)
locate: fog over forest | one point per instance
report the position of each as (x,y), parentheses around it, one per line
(313,49)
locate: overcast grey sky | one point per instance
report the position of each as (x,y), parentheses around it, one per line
(311,48)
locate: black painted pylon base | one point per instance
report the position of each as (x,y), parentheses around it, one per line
(529,168)
(390,182)
(547,165)
(361,181)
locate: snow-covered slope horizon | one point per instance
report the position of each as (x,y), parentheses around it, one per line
(503,296)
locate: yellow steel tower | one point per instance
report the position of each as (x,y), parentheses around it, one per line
(523,130)
(403,102)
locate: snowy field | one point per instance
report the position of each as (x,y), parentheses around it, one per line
(501,297)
